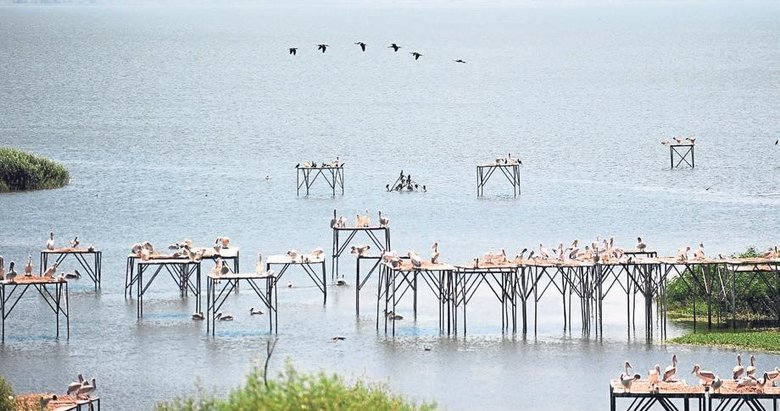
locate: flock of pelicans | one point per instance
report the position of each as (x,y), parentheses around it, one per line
(405,183)
(362,45)
(51,272)
(80,390)
(743,377)
(680,141)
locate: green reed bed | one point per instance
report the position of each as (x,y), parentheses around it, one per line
(758,340)
(296,391)
(21,171)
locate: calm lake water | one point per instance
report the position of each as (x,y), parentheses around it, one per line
(170,117)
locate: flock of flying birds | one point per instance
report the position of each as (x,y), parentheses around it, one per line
(741,375)
(324,47)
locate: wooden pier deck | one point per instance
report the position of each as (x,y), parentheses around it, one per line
(62,403)
(680,396)
(219,287)
(83,256)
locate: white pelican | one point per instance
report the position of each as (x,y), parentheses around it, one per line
(50,242)
(220,268)
(293,254)
(367,220)
(435,253)
(146,246)
(682,254)
(198,316)
(43,402)
(626,378)
(531,254)
(383,221)
(654,375)
(717,384)
(640,245)
(670,371)
(87,388)
(738,369)
(136,248)
(751,370)
(2,268)
(28,268)
(543,252)
(50,271)
(360,250)
(75,243)
(252,311)
(415,259)
(705,377)
(74,386)
(224,317)
(699,253)
(11,274)
(519,257)
(317,253)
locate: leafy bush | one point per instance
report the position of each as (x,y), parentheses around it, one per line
(295,391)
(6,396)
(21,171)
(755,340)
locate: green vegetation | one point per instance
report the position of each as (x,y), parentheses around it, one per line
(295,391)
(765,340)
(755,300)
(20,171)
(7,402)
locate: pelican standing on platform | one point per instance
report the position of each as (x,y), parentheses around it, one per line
(75,243)
(383,221)
(415,259)
(640,245)
(74,386)
(705,377)
(259,267)
(50,242)
(626,378)
(435,253)
(751,369)
(87,388)
(49,274)
(28,268)
(670,371)
(738,369)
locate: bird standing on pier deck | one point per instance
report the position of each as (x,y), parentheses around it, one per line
(75,243)
(435,253)
(543,252)
(738,369)
(670,371)
(682,254)
(717,384)
(293,254)
(519,257)
(415,259)
(49,273)
(705,377)
(654,375)
(220,268)
(2,268)
(751,369)
(383,221)
(87,388)
(626,378)
(640,245)
(259,267)
(10,276)
(50,242)
(74,386)
(28,268)
(699,253)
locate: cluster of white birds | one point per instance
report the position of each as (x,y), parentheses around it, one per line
(73,244)
(772,253)
(336,163)
(679,140)
(361,220)
(508,160)
(314,255)
(11,275)
(742,376)
(395,260)
(362,45)
(82,388)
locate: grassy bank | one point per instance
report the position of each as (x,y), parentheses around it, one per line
(21,171)
(752,340)
(295,391)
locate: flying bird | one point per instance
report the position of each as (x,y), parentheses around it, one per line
(322,47)
(293,50)
(459,61)
(416,55)
(394,46)
(362,45)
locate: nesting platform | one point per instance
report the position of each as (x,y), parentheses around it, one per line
(396,280)
(228,255)
(680,153)
(313,267)
(680,396)
(404,183)
(343,236)
(53,291)
(510,170)
(90,260)
(263,285)
(62,403)
(307,175)
(184,272)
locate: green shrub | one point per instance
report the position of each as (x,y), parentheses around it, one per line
(6,396)
(20,171)
(296,391)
